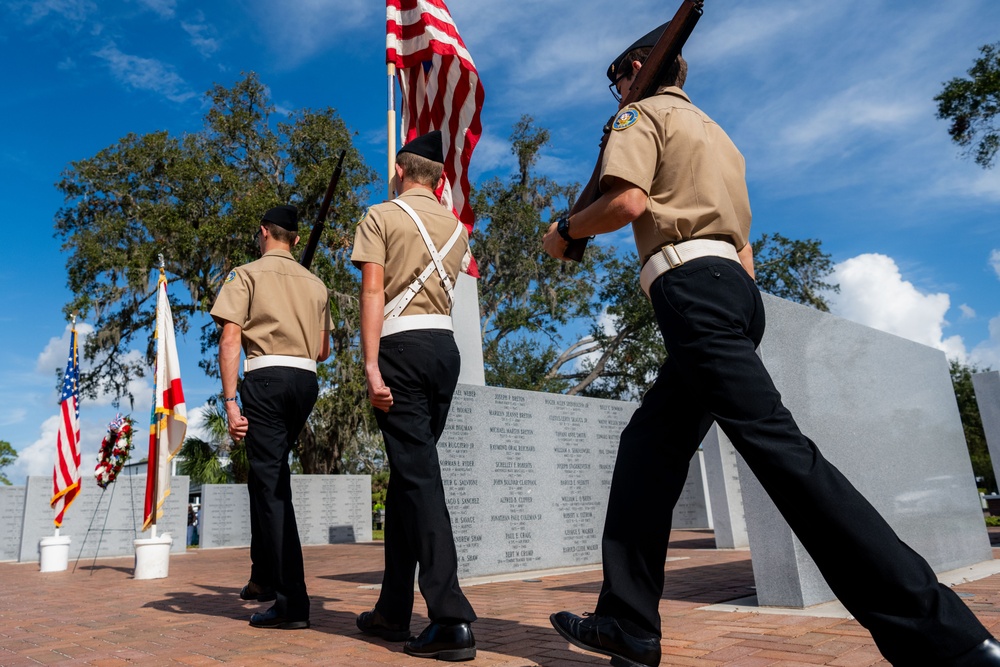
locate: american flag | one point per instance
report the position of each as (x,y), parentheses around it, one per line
(66,474)
(168,415)
(441,91)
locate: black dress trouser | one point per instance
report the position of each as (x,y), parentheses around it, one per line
(276,402)
(421,368)
(712,319)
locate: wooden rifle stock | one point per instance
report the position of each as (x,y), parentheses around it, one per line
(663,55)
(324,210)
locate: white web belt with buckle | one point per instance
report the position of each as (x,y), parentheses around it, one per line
(671,256)
(268,360)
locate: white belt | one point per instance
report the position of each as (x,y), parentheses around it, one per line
(671,256)
(413,322)
(278,360)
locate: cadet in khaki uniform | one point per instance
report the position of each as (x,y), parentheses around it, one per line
(672,172)
(279,314)
(410,251)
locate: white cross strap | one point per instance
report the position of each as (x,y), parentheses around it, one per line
(396,306)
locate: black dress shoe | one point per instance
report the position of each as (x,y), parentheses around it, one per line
(257,592)
(986,654)
(272,619)
(373,623)
(444,642)
(603,634)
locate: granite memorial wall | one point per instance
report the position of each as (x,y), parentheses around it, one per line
(329,509)
(11,519)
(527,476)
(882,409)
(987,388)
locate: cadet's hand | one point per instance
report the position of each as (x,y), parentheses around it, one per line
(379,395)
(237,423)
(554,244)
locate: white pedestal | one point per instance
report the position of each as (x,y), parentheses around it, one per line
(152,557)
(54,553)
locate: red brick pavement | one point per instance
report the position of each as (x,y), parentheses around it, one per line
(99,615)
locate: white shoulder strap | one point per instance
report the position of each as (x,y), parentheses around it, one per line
(396,306)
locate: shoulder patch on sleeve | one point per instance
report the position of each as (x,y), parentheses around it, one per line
(231,277)
(625,119)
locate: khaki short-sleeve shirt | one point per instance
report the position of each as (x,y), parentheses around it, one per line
(281,307)
(389,237)
(693,173)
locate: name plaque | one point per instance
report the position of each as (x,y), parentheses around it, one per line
(11,518)
(527,477)
(329,509)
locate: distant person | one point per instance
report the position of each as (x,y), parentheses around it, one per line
(278,313)
(671,171)
(192,522)
(410,251)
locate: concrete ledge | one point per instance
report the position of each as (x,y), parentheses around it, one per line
(835,609)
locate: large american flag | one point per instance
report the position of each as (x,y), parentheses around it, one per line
(440,89)
(66,474)
(168,415)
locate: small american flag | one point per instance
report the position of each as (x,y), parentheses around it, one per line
(66,474)
(441,91)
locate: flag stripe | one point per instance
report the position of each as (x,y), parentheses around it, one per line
(440,90)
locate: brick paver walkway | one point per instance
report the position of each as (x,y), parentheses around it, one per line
(99,615)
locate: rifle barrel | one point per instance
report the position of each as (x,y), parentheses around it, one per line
(324,210)
(666,50)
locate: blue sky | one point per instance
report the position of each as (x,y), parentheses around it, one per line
(830,102)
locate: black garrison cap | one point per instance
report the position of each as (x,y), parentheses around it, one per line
(286,216)
(426,145)
(648,40)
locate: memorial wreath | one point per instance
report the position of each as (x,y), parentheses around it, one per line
(115,449)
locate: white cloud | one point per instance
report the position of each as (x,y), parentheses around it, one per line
(202,36)
(12,416)
(967,311)
(145,74)
(38,457)
(873,293)
(56,352)
(197,426)
(299,30)
(66,64)
(987,353)
(165,8)
(744,31)
(74,10)
(995,262)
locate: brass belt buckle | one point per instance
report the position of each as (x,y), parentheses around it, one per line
(671,255)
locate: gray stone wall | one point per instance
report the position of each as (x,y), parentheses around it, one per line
(527,476)
(100,522)
(11,518)
(987,388)
(882,409)
(329,509)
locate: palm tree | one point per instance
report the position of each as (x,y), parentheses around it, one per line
(203,460)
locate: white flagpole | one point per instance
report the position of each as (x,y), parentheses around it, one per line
(391,71)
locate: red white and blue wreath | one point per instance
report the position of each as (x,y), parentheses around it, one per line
(115,449)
